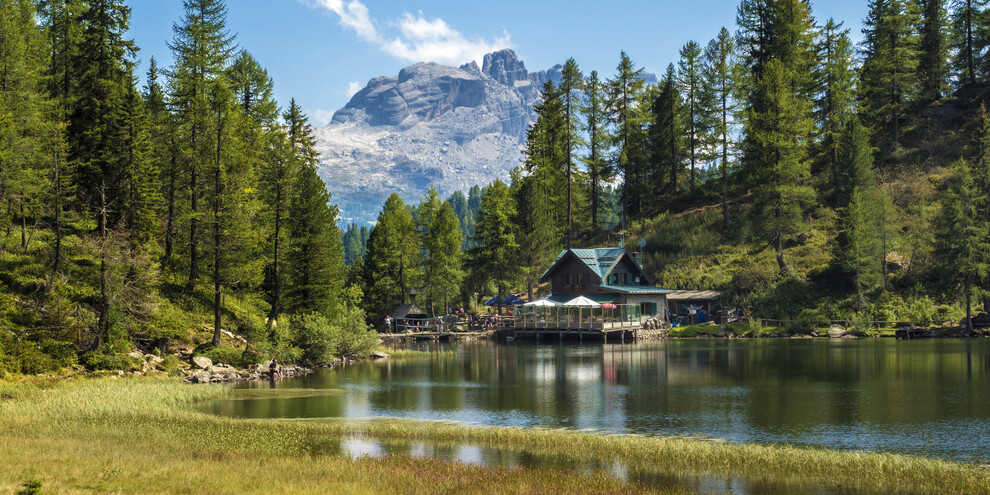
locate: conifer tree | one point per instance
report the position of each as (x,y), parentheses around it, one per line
(933,67)
(961,236)
(441,250)
(697,99)
(667,134)
(981,181)
(835,99)
(863,210)
(538,235)
(780,189)
(390,263)
(545,153)
(625,92)
(596,126)
(720,79)
(969,38)
(201,47)
(570,88)
(493,261)
(253,88)
(888,77)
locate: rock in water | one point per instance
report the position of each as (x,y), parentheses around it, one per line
(202,362)
(379,355)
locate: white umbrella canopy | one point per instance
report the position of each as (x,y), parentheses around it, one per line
(582,301)
(542,303)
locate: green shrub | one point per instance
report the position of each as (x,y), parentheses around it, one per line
(170,364)
(99,360)
(321,340)
(30,487)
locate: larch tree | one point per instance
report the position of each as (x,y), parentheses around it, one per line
(969,38)
(596,128)
(626,115)
(888,76)
(933,60)
(835,99)
(666,135)
(389,267)
(493,260)
(720,74)
(441,256)
(571,81)
(201,47)
(697,100)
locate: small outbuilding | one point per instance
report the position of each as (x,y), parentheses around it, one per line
(694,306)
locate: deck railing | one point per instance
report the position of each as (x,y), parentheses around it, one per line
(577,317)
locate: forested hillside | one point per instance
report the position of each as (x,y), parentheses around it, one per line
(807,177)
(174,204)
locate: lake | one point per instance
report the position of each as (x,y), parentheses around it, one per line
(923,397)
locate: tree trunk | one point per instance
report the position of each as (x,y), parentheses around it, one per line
(170,215)
(726,224)
(217,235)
(193,222)
(57,255)
(969,308)
(969,42)
(277,290)
(103,324)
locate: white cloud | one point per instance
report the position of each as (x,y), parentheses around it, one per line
(420,39)
(352,88)
(354,15)
(320,117)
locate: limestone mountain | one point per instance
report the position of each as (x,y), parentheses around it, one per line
(450,126)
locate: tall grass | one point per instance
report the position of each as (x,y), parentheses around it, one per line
(142,435)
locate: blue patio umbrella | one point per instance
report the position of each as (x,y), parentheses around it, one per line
(492,302)
(512,300)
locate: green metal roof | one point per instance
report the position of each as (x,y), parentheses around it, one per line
(636,289)
(598,260)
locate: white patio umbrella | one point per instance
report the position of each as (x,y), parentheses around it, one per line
(582,301)
(542,303)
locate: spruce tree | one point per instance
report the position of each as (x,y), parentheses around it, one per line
(780,193)
(961,236)
(667,135)
(538,236)
(544,156)
(863,210)
(441,257)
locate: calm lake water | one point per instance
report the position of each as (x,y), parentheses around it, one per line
(924,397)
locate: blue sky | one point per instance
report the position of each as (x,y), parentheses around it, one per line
(321,51)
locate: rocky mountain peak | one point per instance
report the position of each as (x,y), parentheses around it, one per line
(504,67)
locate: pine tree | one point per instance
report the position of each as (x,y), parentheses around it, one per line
(625,91)
(981,180)
(888,77)
(201,47)
(933,68)
(720,79)
(545,153)
(596,126)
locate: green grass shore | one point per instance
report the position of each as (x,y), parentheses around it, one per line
(142,436)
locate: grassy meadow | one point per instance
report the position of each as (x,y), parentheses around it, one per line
(142,436)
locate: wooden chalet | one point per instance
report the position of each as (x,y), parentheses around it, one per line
(594,292)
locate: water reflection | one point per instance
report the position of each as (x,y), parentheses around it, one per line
(915,397)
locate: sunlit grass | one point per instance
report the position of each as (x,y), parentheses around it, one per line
(143,435)
(414,354)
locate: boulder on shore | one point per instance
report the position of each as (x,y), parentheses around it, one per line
(379,355)
(836,332)
(202,362)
